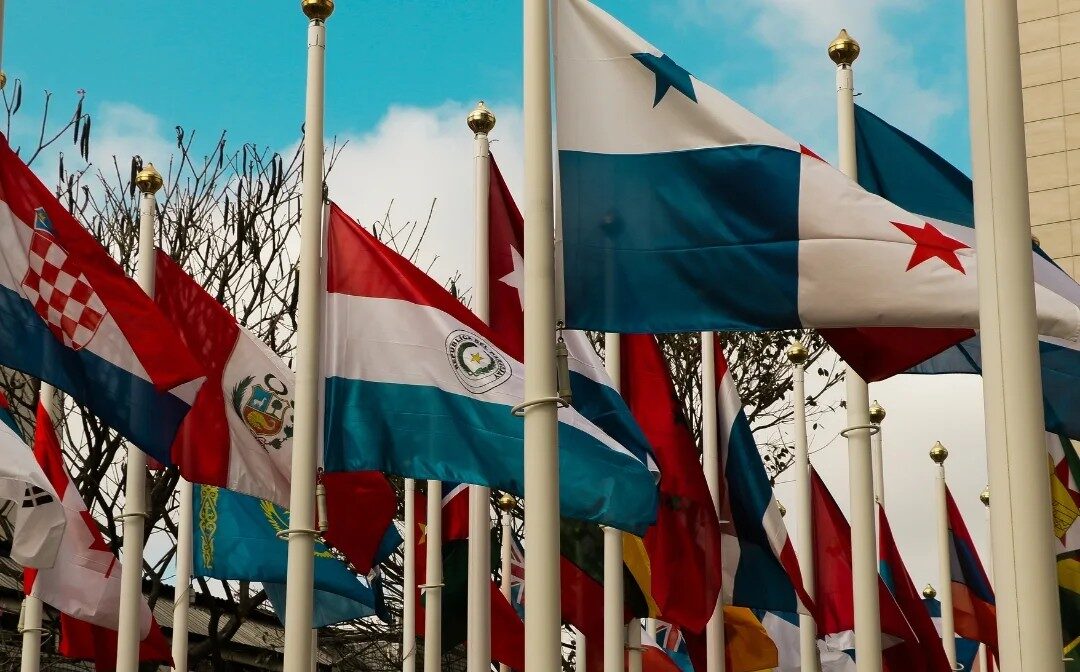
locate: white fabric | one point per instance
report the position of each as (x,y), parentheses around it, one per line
(39,526)
(786,637)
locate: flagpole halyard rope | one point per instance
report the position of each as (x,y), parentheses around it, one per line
(520,409)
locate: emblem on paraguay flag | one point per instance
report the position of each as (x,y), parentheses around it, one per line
(476,364)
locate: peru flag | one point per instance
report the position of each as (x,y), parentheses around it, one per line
(238,434)
(70,316)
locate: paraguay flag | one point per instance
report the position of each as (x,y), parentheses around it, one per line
(71,317)
(973,598)
(681,211)
(414,385)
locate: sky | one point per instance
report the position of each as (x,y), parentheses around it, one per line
(402,75)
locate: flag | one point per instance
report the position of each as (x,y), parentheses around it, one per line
(747,645)
(414,386)
(507,628)
(783,629)
(238,434)
(899,582)
(84,583)
(654,657)
(5,415)
(833,587)
(894,165)
(665,181)
(517,574)
(966,649)
(71,317)
(670,639)
(760,567)
(235,538)
(29,503)
(683,546)
(973,598)
(1065,500)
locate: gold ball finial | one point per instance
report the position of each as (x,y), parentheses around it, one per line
(507,502)
(938,453)
(481,120)
(984,496)
(148,180)
(783,509)
(844,49)
(317,10)
(928,592)
(797,353)
(1034,239)
(877,413)
(3,79)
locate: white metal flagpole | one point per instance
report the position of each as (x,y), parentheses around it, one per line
(877,416)
(478,638)
(710,461)
(1028,617)
(302,532)
(543,643)
(408,589)
(580,650)
(506,508)
(614,625)
(182,593)
(948,631)
(843,51)
(797,354)
(148,180)
(984,497)
(433,580)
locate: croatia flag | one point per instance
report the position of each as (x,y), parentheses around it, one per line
(682,211)
(71,317)
(415,386)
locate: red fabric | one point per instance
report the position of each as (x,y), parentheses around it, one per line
(880,352)
(655,659)
(974,616)
(506,249)
(455,513)
(833,594)
(154,341)
(684,543)
(360,506)
(910,601)
(581,602)
(80,640)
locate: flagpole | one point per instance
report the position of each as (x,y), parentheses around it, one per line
(506,508)
(843,51)
(797,354)
(877,416)
(408,588)
(301,533)
(615,628)
(543,642)
(984,497)
(149,182)
(710,461)
(433,580)
(948,630)
(580,651)
(182,591)
(30,617)
(478,638)
(1028,616)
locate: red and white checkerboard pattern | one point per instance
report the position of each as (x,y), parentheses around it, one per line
(61,294)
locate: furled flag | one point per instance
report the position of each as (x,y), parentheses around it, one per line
(783,629)
(29,503)
(973,598)
(670,191)
(235,538)
(71,317)
(966,649)
(833,588)
(894,165)
(899,582)
(238,434)
(84,583)
(414,386)
(683,545)
(1065,500)
(507,628)
(517,574)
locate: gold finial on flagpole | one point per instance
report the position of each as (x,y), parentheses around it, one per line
(877,413)
(797,353)
(481,119)
(984,496)
(148,180)
(783,509)
(507,502)
(317,10)
(3,79)
(844,49)
(938,453)
(928,592)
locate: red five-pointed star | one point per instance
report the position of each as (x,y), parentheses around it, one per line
(930,243)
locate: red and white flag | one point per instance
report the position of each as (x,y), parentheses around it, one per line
(35,513)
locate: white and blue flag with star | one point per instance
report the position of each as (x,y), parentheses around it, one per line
(682,211)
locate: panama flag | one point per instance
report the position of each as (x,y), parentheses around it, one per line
(760,567)
(681,211)
(29,503)
(415,386)
(71,317)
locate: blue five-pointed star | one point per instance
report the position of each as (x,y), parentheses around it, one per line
(668,74)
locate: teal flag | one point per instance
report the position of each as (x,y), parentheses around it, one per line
(235,538)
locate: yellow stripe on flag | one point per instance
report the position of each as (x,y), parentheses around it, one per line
(749,647)
(1068,571)
(636,559)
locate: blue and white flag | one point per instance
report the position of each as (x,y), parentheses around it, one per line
(783,629)
(682,211)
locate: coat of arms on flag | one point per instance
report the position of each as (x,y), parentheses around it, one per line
(59,292)
(265,409)
(476,364)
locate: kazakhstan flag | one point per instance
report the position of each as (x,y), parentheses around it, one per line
(235,539)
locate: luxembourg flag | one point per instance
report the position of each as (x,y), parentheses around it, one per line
(681,211)
(71,317)
(414,386)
